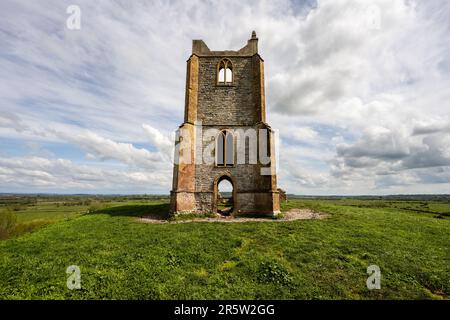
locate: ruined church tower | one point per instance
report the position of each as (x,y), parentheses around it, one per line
(224,129)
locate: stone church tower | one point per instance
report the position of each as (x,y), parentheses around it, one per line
(224,135)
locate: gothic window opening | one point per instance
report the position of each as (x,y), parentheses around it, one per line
(225,149)
(225,72)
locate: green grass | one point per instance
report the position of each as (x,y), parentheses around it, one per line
(32,217)
(121,258)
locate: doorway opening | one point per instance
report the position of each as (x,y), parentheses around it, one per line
(225,200)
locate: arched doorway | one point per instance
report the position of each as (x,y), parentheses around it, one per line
(225,195)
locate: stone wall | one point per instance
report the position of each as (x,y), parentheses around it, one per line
(228,105)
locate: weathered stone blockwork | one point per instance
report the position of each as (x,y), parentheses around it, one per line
(238,105)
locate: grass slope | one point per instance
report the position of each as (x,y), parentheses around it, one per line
(121,258)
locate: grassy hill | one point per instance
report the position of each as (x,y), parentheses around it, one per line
(122,258)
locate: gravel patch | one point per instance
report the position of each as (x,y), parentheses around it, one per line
(291,215)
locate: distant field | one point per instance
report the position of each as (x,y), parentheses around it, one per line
(33,212)
(122,258)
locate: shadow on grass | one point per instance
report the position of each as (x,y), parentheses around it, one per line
(156,211)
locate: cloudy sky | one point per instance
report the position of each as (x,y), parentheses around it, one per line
(359,91)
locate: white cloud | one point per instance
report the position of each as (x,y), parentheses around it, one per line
(165,144)
(38,174)
(106,149)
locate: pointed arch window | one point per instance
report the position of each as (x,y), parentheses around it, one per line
(225,149)
(225,72)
